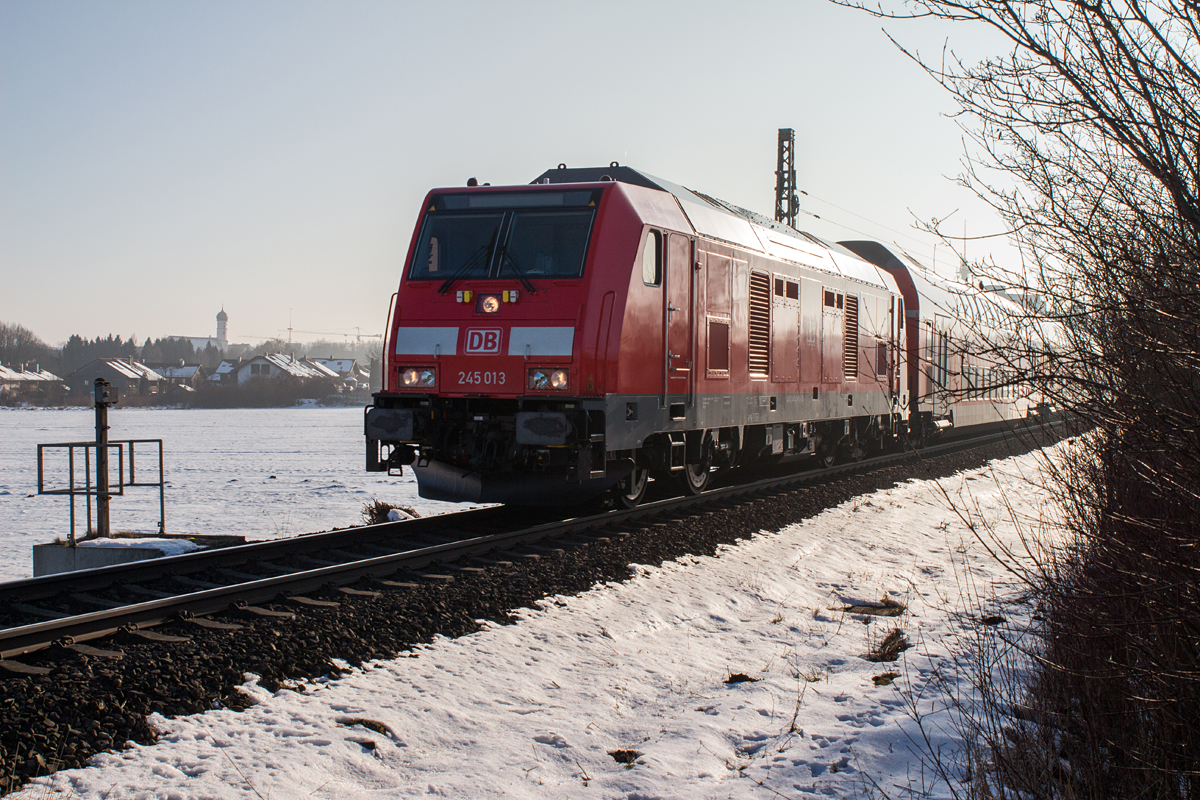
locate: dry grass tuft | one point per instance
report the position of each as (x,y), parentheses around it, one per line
(740,677)
(377,511)
(890,648)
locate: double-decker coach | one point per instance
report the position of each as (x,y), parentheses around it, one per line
(967,348)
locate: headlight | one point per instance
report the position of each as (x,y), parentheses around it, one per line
(416,377)
(544,379)
(489,303)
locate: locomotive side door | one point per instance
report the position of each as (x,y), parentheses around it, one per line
(833,333)
(678,369)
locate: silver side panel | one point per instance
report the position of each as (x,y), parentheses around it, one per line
(541,341)
(426,341)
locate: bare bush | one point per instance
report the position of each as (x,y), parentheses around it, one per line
(1095,114)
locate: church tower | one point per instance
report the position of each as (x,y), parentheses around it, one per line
(222,336)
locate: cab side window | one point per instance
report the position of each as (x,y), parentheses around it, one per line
(652,259)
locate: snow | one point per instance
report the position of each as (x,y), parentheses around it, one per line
(168,547)
(262,473)
(533,709)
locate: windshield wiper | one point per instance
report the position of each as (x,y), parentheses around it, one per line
(484,250)
(512,262)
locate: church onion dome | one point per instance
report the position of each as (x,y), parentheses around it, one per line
(222,316)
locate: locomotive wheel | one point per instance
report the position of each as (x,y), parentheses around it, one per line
(695,477)
(632,488)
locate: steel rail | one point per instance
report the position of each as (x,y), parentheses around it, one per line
(30,638)
(28,589)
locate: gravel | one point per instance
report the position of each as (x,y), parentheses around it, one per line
(92,703)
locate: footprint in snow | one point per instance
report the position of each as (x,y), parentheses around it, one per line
(552,739)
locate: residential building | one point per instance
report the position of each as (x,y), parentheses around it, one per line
(276,366)
(353,374)
(181,374)
(28,381)
(129,376)
(223,375)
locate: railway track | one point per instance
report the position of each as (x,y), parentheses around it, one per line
(70,609)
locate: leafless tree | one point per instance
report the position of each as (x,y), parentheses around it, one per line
(19,345)
(1093,116)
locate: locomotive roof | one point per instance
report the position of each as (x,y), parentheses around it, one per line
(734,224)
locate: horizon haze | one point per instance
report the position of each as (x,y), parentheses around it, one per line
(161,161)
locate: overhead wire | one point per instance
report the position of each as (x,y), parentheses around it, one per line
(864,234)
(860,216)
(927,251)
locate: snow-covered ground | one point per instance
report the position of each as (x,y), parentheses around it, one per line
(261,473)
(533,710)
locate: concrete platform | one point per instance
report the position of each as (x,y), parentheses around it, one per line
(49,559)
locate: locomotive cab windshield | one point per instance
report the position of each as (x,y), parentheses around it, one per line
(505,235)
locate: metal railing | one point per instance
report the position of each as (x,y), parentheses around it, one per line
(89,488)
(106,396)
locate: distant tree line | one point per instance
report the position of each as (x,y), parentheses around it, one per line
(19,345)
(364,352)
(173,350)
(79,351)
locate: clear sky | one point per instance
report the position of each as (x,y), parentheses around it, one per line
(160,159)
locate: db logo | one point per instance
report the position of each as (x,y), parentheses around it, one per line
(483,340)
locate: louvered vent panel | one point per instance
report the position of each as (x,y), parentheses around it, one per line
(760,325)
(851,359)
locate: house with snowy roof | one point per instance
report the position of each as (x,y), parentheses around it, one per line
(129,376)
(276,366)
(352,373)
(181,374)
(223,375)
(24,381)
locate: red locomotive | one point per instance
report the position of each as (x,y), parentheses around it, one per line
(574,336)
